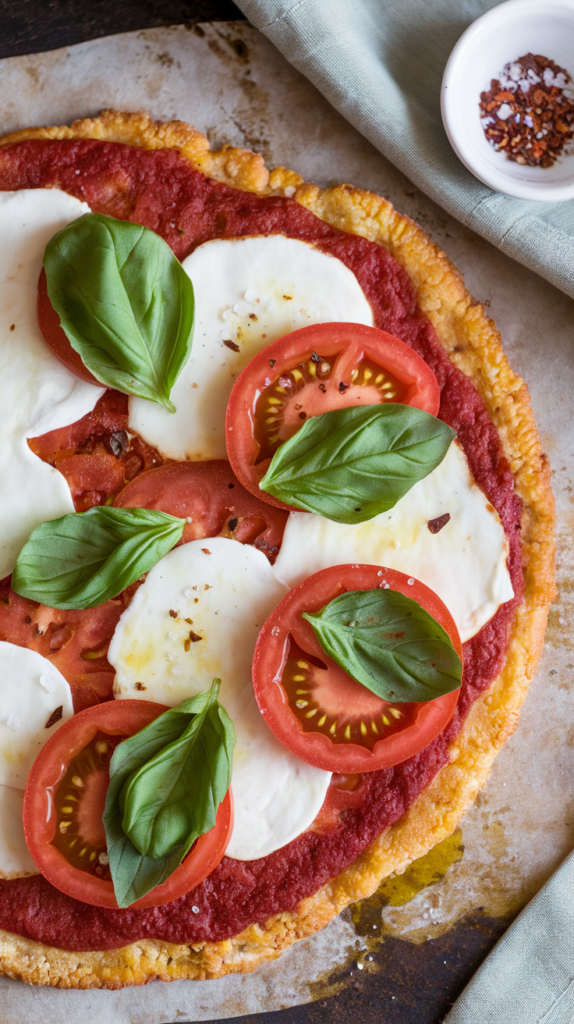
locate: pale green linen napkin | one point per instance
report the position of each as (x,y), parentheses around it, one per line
(380,63)
(529,976)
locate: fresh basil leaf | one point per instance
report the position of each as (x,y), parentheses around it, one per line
(166,784)
(388,643)
(85,558)
(125,304)
(351,464)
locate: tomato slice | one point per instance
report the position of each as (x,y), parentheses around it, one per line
(344,793)
(76,642)
(314,707)
(64,802)
(210,497)
(55,337)
(312,371)
(96,454)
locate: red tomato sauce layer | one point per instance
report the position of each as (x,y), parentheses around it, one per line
(159,190)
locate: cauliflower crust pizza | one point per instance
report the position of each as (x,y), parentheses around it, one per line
(249,909)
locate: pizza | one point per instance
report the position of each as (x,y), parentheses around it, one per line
(336,797)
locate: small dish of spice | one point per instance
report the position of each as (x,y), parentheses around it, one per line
(508,99)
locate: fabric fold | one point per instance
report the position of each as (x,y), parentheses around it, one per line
(528,978)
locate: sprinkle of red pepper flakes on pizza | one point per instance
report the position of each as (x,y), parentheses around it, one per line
(128,182)
(528,113)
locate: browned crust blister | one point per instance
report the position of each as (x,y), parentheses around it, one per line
(473,343)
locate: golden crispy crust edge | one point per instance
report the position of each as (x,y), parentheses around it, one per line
(473,343)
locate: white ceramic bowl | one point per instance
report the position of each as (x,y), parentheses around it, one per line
(500,36)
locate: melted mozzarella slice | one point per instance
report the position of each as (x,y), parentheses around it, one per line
(37,392)
(248,293)
(464,563)
(222,591)
(31,690)
(15,859)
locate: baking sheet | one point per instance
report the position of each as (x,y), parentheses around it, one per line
(228,81)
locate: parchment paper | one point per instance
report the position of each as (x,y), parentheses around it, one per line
(228,81)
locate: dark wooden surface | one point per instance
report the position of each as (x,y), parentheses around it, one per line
(412,984)
(406,984)
(30,26)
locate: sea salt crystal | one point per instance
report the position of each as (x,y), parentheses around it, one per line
(195,910)
(250,295)
(47,682)
(241,308)
(410,582)
(504,111)
(550,79)
(226,314)
(225,336)
(289,191)
(511,74)
(187,593)
(10,721)
(275,631)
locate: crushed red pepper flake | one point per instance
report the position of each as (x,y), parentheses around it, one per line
(528,113)
(55,716)
(436,525)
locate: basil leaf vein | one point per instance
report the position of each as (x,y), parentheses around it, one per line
(86,558)
(125,304)
(350,465)
(166,784)
(388,643)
